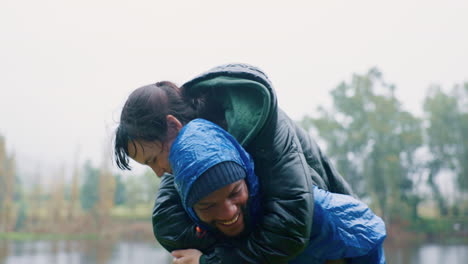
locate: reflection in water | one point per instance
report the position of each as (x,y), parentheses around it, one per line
(124,252)
(55,252)
(4,248)
(77,252)
(427,254)
(445,254)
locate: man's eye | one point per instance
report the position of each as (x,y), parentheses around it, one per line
(205,208)
(235,193)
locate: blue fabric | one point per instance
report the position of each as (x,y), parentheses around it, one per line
(199,146)
(343,227)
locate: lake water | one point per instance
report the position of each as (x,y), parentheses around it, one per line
(118,252)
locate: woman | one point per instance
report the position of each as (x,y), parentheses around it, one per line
(239,98)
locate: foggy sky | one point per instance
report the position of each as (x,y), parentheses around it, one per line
(66,67)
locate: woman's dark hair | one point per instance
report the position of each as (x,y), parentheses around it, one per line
(144,114)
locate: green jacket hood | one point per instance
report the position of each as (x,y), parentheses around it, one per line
(245,93)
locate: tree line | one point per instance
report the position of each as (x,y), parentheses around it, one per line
(389,155)
(91,201)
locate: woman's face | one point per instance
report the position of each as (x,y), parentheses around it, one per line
(224,208)
(154,154)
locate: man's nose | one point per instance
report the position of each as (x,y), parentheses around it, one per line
(228,210)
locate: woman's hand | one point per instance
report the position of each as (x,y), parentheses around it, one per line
(186,256)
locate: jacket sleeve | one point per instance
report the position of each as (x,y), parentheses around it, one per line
(286,189)
(287,192)
(288,202)
(326,176)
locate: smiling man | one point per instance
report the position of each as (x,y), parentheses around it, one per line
(224,208)
(215,179)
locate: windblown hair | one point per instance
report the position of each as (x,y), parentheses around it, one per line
(144,114)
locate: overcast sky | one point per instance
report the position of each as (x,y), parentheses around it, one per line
(66,67)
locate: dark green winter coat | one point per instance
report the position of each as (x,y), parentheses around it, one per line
(287,160)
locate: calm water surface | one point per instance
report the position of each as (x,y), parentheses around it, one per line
(119,252)
(81,252)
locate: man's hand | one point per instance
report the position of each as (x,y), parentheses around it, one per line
(186,256)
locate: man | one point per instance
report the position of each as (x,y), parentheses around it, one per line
(219,190)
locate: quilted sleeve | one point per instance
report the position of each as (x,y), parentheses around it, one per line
(288,201)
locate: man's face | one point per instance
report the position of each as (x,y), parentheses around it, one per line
(223,208)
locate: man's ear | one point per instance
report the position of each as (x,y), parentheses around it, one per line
(173,126)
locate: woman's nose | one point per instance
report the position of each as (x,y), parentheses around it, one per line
(157,170)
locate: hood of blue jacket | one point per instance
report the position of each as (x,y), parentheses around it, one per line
(199,146)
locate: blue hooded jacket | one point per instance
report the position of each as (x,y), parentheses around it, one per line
(343,227)
(199,146)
